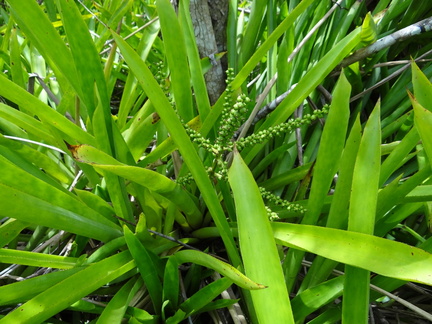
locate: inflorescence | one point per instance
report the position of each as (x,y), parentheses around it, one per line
(280,129)
(280,202)
(233,115)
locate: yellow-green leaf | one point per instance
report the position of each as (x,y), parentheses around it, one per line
(376,254)
(258,247)
(369,30)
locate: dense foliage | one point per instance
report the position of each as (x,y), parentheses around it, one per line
(301,194)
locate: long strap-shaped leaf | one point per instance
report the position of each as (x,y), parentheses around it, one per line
(226,269)
(423,123)
(258,247)
(21,291)
(147,178)
(363,203)
(87,62)
(116,308)
(376,254)
(36,259)
(39,29)
(78,285)
(53,207)
(197,76)
(33,105)
(149,266)
(175,51)
(327,163)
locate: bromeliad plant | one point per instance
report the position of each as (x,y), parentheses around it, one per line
(125,193)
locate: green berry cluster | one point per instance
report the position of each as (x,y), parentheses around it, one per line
(232,118)
(233,114)
(185,180)
(271,214)
(161,78)
(280,129)
(159,74)
(197,138)
(281,202)
(229,90)
(222,173)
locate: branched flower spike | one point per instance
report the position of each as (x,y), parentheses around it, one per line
(197,138)
(280,129)
(233,115)
(281,202)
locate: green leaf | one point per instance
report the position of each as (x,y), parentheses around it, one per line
(204,296)
(54,207)
(141,132)
(10,229)
(140,316)
(420,193)
(177,318)
(257,247)
(24,290)
(36,157)
(369,30)
(196,71)
(422,87)
(364,190)
(316,297)
(35,107)
(223,268)
(338,214)
(398,155)
(287,177)
(15,60)
(87,63)
(116,308)
(161,185)
(175,51)
(423,123)
(147,178)
(39,29)
(131,88)
(15,204)
(251,34)
(171,283)
(330,150)
(149,268)
(327,162)
(36,259)
(28,123)
(91,155)
(394,194)
(376,254)
(54,299)
(362,211)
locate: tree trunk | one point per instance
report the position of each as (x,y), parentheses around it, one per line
(209,20)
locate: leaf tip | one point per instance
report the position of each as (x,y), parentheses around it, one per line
(73,149)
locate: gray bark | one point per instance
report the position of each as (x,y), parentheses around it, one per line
(389,40)
(209,20)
